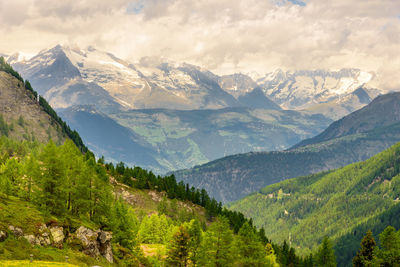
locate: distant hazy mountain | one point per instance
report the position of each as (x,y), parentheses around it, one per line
(340,107)
(356,137)
(304,88)
(106,137)
(165,140)
(334,94)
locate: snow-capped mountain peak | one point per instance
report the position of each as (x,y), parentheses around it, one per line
(304,88)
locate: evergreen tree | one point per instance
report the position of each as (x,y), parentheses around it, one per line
(32,174)
(195,233)
(162,206)
(178,251)
(11,176)
(389,254)
(365,255)
(124,225)
(250,251)
(51,196)
(325,256)
(216,246)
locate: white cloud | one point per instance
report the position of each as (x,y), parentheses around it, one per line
(224,36)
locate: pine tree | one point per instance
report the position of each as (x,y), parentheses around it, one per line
(178,251)
(326,256)
(365,255)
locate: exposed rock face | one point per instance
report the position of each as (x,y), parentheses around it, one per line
(95,243)
(57,235)
(42,238)
(105,245)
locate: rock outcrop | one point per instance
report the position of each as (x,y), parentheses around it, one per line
(16,231)
(57,234)
(94,243)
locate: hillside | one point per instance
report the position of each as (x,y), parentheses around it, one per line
(338,203)
(233,177)
(57,202)
(27,116)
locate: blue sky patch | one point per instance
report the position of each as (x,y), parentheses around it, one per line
(135,7)
(298,2)
(293,2)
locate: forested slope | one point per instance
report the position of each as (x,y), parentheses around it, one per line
(341,204)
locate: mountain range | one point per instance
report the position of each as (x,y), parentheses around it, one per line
(159,83)
(353,138)
(243,114)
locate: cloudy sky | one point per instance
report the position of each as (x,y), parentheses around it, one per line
(224,36)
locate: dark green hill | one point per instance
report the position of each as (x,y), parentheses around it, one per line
(233,177)
(342,204)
